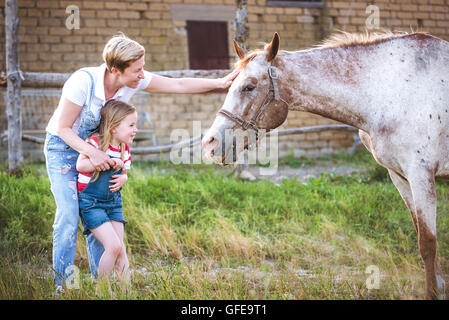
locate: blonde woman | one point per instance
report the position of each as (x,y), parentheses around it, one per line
(77,116)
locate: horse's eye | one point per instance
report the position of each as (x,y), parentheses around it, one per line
(249,87)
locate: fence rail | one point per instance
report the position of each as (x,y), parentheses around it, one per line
(195,140)
(56,80)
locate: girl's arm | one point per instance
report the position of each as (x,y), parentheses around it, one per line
(118,181)
(83,164)
(160,84)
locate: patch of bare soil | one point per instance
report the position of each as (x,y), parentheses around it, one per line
(302,174)
(277,174)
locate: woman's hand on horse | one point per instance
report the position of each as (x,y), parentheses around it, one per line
(227,80)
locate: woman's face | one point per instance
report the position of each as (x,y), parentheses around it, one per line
(131,76)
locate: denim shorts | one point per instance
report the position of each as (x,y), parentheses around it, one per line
(94,212)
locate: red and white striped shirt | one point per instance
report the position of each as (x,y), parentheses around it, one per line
(84,177)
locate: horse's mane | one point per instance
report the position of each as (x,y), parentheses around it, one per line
(345,39)
(341,39)
(241,64)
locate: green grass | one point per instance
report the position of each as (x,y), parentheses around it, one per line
(196,233)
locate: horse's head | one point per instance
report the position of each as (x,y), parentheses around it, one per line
(253,103)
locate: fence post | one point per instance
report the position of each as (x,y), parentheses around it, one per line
(241,24)
(241,36)
(14,82)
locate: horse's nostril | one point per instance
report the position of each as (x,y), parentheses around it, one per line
(207,141)
(212,152)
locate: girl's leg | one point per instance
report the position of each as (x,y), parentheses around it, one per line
(112,248)
(94,251)
(122,264)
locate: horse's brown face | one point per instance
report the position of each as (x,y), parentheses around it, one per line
(249,99)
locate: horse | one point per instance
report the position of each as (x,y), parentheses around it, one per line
(393,87)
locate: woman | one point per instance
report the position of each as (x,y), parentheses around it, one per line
(77,117)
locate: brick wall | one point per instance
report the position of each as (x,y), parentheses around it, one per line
(46,45)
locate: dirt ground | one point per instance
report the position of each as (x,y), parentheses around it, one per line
(302,174)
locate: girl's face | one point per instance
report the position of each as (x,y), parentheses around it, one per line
(126,131)
(131,76)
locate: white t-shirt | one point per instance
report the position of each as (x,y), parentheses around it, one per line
(77,90)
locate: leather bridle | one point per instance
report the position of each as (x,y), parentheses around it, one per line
(273,72)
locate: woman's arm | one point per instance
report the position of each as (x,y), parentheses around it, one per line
(161,84)
(83,164)
(69,113)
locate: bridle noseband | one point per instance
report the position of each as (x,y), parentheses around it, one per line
(273,72)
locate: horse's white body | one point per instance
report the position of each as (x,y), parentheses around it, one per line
(395,90)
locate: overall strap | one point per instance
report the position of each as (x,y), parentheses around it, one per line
(92,88)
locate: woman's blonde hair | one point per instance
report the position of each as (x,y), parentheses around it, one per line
(112,114)
(121,51)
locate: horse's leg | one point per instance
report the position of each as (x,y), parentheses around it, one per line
(406,193)
(422,185)
(420,197)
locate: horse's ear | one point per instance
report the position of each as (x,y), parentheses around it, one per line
(273,47)
(241,52)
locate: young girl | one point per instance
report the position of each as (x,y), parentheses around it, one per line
(100,201)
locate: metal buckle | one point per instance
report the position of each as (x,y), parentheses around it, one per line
(273,72)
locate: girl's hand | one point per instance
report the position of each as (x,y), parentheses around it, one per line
(227,81)
(117,182)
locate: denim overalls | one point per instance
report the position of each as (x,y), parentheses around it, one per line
(61,167)
(98,204)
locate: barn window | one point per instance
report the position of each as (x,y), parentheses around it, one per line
(208,44)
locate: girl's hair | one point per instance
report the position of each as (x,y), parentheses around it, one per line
(112,114)
(121,51)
